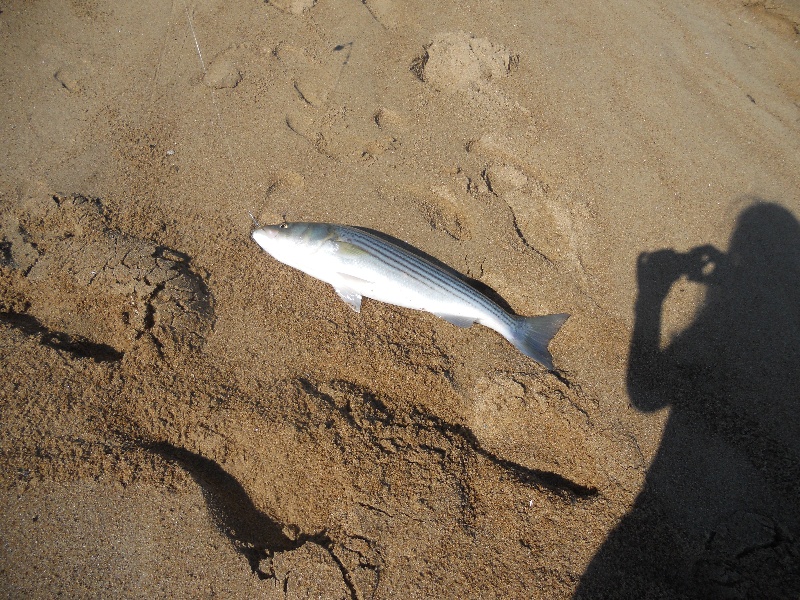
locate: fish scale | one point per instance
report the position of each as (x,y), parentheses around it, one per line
(359,264)
(426,272)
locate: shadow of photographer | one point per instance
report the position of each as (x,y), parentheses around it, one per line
(721,501)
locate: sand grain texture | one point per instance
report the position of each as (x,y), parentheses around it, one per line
(184,417)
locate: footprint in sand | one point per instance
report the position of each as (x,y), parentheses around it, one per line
(322,115)
(313,77)
(79,276)
(545,220)
(444,210)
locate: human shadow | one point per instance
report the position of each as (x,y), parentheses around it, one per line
(720,505)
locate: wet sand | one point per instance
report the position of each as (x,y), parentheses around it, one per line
(183,416)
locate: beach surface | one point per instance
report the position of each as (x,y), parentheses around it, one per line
(182,416)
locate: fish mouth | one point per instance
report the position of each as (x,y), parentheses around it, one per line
(264,235)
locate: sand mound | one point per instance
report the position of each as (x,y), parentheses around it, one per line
(459,61)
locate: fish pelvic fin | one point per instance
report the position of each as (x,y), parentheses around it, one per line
(531,335)
(352,298)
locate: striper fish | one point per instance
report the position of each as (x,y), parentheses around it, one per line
(358,263)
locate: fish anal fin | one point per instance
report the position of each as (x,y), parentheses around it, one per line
(457,320)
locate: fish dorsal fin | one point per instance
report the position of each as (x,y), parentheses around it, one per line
(456,320)
(352,298)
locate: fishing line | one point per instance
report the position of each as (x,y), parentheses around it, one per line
(214,103)
(196,43)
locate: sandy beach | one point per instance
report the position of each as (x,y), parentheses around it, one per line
(182,416)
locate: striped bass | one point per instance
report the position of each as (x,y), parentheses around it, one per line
(358,263)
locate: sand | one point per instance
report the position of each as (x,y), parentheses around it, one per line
(183,416)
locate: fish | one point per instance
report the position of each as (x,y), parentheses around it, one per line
(359,263)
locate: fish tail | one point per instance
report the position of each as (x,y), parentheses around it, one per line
(531,335)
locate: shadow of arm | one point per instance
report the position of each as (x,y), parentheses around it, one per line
(649,367)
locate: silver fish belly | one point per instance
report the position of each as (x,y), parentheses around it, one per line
(360,264)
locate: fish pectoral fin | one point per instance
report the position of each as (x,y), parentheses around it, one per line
(457,320)
(352,298)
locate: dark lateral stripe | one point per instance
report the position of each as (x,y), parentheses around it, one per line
(430,275)
(419,269)
(392,258)
(424,272)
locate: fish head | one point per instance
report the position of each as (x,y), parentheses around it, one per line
(290,242)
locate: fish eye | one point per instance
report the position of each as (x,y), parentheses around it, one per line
(284,225)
